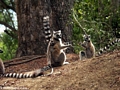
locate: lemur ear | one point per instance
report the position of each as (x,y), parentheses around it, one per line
(88,36)
(84,36)
(59,31)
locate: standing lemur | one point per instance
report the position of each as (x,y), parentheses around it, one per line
(90,48)
(55,53)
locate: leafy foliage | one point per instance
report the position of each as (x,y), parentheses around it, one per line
(8,40)
(98,18)
(8,45)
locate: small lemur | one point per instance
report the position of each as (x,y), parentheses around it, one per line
(89,48)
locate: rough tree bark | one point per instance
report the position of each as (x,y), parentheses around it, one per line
(30,13)
(61,10)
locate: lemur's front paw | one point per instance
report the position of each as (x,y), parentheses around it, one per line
(65,63)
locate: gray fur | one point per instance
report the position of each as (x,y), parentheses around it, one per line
(55,54)
(89,48)
(55,50)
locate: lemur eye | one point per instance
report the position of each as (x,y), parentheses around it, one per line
(58,36)
(86,38)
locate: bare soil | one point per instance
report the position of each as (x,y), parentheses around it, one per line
(99,73)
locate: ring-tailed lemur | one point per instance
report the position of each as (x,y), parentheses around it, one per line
(90,48)
(117,40)
(55,57)
(55,38)
(47,31)
(55,54)
(46,25)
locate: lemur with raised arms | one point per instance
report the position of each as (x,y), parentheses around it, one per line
(55,45)
(90,48)
(55,54)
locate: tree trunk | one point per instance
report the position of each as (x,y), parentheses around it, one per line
(61,10)
(30,28)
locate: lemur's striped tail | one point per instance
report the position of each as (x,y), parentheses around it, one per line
(117,40)
(30,74)
(46,26)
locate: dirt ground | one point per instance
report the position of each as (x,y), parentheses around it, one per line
(99,73)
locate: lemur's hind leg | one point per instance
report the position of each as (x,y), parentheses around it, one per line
(63,58)
(82,55)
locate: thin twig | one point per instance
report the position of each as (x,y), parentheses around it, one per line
(78,22)
(10,63)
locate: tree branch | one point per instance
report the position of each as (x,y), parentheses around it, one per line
(10,34)
(10,27)
(22,61)
(3,4)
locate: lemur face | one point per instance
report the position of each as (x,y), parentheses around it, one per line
(86,38)
(56,37)
(57,34)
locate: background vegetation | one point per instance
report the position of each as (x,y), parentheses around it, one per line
(8,39)
(9,45)
(99,18)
